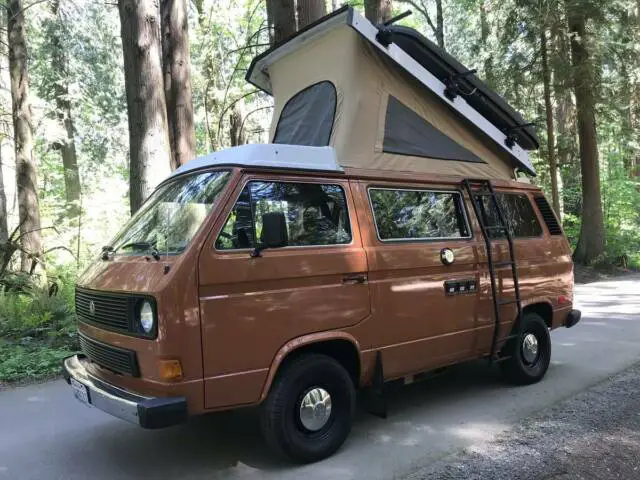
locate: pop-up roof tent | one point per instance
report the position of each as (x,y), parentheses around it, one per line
(381,100)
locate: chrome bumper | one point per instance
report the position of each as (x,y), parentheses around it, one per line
(148,412)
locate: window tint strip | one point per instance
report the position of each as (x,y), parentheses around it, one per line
(547,215)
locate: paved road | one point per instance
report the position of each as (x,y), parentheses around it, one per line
(46,434)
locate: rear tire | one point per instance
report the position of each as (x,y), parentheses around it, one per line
(308,413)
(528,355)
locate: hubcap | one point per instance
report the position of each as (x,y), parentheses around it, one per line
(530,348)
(315,409)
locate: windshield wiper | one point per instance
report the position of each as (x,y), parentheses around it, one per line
(147,246)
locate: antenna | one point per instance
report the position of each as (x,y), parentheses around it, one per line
(385,34)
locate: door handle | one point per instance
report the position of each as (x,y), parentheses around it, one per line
(354,279)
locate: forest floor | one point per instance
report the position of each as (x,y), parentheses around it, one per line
(584,274)
(593,435)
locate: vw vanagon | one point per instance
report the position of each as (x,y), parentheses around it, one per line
(386,231)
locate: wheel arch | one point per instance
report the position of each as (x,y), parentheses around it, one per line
(542,308)
(340,346)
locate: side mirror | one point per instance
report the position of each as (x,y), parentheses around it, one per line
(274,232)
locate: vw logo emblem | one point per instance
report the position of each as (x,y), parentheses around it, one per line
(92,308)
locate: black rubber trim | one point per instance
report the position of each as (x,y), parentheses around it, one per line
(160,412)
(573,317)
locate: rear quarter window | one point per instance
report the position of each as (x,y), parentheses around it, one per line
(518,214)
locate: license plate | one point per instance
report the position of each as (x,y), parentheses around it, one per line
(80,391)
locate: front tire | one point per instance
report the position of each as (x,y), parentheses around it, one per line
(308,413)
(528,355)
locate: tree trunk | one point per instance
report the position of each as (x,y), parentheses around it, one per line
(548,108)
(377,11)
(4,226)
(236,134)
(282,15)
(439,24)
(484,38)
(591,242)
(309,11)
(26,174)
(177,81)
(66,146)
(564,120)
(150,155)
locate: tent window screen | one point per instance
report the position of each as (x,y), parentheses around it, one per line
(407,133)
(307,118)
(418,214)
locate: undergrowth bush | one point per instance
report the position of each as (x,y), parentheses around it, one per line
(37,329)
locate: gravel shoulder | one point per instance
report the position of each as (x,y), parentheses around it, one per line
(593,435)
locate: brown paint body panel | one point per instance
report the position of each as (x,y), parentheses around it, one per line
(231,319)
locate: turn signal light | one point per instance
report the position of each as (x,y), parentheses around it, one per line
(170,369)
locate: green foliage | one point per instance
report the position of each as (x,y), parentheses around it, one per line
(36,330)
(18,362)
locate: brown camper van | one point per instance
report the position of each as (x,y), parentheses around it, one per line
(386,231)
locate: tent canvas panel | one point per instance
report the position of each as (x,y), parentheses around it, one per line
(407,133)
(364,80)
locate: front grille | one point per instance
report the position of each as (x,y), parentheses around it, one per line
(110,311)
(115,359)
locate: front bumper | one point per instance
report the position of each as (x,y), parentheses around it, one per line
(148,412)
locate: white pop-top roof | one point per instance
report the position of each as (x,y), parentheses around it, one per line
(294,157)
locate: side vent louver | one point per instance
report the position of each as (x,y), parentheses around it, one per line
(548,215)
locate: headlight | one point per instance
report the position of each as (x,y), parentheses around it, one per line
(146,317)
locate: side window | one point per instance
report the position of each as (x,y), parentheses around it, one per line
(518,211)
(238,230)
(402,214)
(315,214)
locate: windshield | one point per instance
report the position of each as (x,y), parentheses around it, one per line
(170,218)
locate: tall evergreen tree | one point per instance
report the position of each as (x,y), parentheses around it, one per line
(281,17)
(150,152)
(177,81)
(591,242)
(549,120)
(65,144)
(26,172)
(309,11)
(377,11)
